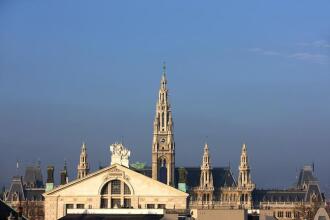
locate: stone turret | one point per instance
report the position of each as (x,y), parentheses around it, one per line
(206,187)
(83,166)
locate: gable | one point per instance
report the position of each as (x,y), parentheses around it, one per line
(91,184)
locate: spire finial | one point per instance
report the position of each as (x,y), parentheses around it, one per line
(163,81)
(164,68)
(83,146)
(244,147)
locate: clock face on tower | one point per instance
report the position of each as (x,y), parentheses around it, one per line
(162,140)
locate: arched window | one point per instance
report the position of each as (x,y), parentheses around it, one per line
(116,194)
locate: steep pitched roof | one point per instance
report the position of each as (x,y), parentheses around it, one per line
(305,177)
(16,189)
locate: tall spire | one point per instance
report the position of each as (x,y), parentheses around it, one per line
(163,146)
(83,166)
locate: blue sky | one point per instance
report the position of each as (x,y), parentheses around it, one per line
(241,71)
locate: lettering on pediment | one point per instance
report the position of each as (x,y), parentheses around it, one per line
(115,173)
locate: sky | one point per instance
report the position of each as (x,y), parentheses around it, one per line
(254,72)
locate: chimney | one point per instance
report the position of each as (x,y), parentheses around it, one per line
(64,175)
(50,178)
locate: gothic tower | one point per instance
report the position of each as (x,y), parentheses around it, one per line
(163,146)
(206,188)
(83,167)
(245,184)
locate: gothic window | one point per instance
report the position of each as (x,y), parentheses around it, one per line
(116,194)
(163,120)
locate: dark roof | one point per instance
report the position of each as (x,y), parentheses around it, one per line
(16,189)
(305,176)
(33,177)
(112,217)
(5,211)
(261,195)
(313,190)
(222,176)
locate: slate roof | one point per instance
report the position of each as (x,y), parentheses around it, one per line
(222,176)
(31,188)
(261,195)
(305,177)
(306,187)
(16,188)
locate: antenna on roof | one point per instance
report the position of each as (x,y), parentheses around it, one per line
(122,140)
(313,166)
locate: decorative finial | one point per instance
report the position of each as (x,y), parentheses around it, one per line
(164,68)
(83,146)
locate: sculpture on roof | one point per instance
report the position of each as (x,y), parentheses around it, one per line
(119,154)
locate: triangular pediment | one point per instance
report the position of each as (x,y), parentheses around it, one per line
(92,183)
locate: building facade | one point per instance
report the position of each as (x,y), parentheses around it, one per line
(113,187)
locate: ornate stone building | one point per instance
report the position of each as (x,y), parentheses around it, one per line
(25,194)
(163,146)
(200,188)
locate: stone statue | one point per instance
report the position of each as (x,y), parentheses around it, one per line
(119,154)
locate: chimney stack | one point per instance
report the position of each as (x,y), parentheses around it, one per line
(50,178)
